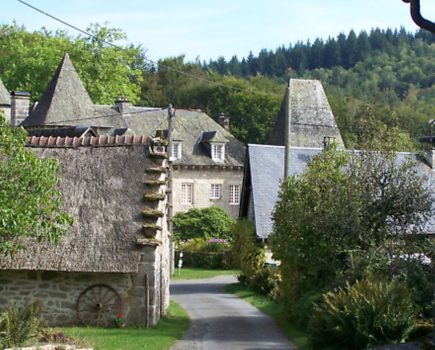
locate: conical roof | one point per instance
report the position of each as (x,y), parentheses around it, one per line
(65,102)
(311,116)
(5,97)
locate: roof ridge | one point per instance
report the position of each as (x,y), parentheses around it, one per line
(86,141)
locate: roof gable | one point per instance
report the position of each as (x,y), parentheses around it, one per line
(64,100)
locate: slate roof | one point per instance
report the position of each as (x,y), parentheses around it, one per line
(66,103)
(188,127)
(70,131)
(5,97)
(64,99)
(311,116)
(265,172)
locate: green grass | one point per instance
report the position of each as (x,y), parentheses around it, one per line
(162,336)
(189,273)
(273,309)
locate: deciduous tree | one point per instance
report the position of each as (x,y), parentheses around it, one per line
(29,197)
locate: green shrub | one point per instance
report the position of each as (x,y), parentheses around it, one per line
(249,254)
(203,223)
(208,260)
(18,325)
(267,281)
(213,253)
(362,315)
(300,310)
(250,257)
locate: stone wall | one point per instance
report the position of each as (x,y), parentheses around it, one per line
(57,293)
(202,180)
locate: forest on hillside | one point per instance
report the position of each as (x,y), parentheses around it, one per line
(384,78)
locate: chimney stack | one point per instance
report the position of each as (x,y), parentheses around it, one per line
(123,105)
(224,121)
(20,106)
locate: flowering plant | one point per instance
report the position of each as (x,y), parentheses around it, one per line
(119,321)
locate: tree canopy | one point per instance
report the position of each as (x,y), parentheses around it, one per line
(29,197)
(28,61)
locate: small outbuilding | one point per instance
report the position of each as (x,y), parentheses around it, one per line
(115,258)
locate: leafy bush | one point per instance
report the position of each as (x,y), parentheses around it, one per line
(213,253)
(249,255)
(208,260)
(18,325)
(365,314)
(203,223)
(267,281)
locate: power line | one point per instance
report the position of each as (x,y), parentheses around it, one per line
(191,76)
(144,111)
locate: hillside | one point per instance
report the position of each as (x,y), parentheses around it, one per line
(386,75)
(384,78)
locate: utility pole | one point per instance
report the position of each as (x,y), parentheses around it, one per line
(171,114)
(287,132)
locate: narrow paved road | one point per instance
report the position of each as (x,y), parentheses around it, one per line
(223,321)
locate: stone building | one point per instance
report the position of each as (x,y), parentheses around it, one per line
(207,159)
(115,257)
(15,106)
(305,110)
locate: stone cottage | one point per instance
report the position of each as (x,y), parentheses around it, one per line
(115,257)
(207,160)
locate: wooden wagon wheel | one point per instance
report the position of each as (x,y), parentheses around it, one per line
(98,305)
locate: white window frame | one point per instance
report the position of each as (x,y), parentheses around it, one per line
(218,152)
(215,191)
(177,150)
(234,194)
(187,193)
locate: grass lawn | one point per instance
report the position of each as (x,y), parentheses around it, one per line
(162,336)
(273,309)
(189,273)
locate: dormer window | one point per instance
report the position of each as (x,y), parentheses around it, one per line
(218,152)
(176,150)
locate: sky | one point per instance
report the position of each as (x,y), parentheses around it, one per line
(208,29)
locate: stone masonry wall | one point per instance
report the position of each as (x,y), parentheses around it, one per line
(57,292)
(202,180)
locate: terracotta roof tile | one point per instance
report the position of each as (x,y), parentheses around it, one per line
(88,141)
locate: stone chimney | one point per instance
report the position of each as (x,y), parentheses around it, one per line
(20,107)
(224,121)
(123,105)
